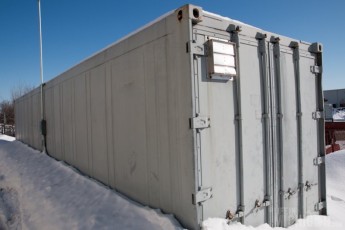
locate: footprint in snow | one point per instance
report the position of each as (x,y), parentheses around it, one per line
(10,217)
(337,199)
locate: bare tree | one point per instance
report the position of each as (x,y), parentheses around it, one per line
(7,106)
(19,90)
(7,112)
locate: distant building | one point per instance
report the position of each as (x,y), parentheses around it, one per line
(336,97)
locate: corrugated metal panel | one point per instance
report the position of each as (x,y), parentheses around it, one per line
(28,119)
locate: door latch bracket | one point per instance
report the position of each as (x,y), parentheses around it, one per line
(319,160)
(196,48)
(320,205)
(318,115)
(200,122)
(316,69)
(202,195)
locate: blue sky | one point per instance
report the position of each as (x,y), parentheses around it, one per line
(75,29)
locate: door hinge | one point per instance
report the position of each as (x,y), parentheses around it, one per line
(199,122)
(196,48)
(316,69)
(202,195)
(266,202)
(320,205)
(318,115)
(319,160)
(308,185)
(289,193)
(234,216)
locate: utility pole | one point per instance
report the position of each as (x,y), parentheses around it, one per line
(43,122)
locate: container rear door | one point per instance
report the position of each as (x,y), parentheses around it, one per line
(234,153)
(311,135)
(216,161)
(298,139)
(288,142)
(258,154)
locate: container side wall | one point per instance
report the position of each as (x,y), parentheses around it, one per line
(67,122)
(57,149)
(18,119)
(36,118)
(109,126)
(82,159)
(49,96)
(122,117)
(98,124)
(129,124)
(29,117)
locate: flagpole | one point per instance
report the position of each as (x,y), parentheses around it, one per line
(43,124)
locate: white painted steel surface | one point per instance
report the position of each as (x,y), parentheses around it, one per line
(130,116)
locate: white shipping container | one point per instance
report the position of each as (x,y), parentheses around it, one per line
(196,114)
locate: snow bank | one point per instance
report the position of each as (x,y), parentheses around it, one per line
(38,192)
(335,167)
(339,114)
(7,138)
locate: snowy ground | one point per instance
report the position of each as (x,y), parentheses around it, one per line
(38,192)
